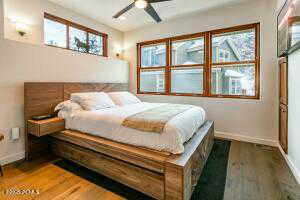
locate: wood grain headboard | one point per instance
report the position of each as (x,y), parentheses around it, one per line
(41,97)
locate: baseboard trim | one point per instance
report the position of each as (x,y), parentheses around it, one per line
(290,163)
(12,158)
(238,137)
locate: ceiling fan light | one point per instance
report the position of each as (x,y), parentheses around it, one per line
(141,4)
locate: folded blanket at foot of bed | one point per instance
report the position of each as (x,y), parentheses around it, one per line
(155,119)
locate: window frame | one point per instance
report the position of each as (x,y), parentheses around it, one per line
(185,38)
(80,27)
(140,68)
(207,62)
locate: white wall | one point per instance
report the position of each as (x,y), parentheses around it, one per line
(255,120)
(294,111)
(21,62)
(31,12)
(1,21)
(280,4)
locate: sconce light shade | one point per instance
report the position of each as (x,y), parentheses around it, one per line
(118,50)
(21,28)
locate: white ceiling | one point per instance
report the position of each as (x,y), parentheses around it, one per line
(103,10)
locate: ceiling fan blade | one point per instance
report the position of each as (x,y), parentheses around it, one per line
(150,10)
(124,10)
(157,1)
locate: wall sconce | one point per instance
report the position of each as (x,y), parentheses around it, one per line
(21,28)
(118,51)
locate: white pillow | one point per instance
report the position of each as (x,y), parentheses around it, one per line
(68,106)
(123,98)
(93,100)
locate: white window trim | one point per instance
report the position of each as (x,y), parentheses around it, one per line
(223,58)
(233,91)
(160,83)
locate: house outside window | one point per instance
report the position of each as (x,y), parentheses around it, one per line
(224,55)
(160,83)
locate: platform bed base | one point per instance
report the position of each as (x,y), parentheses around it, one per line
(159,175)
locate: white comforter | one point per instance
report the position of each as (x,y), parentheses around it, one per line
(107,124)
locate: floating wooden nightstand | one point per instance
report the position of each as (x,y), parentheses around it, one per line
(45,127)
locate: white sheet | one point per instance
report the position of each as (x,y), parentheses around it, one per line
(107,124)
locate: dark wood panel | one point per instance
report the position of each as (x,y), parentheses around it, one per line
(283,81)
(283,127)
(41,98)
(283,99)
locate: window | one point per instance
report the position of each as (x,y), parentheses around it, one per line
(152,80)
(187,65)
(220,63)
(154,55)
(234,66)
(62,33)
(55,33)
(188,51)
(95,44)
(153,67)
(78,40)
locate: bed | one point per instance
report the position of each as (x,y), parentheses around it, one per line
(166,172)
(107,123)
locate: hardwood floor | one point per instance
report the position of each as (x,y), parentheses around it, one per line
(258,172)
(51,181)
(254,172)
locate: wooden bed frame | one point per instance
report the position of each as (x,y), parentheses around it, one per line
(160,175)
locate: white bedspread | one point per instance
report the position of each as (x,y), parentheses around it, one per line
(107,124)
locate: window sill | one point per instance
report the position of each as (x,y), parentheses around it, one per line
(74,50)
(202,95)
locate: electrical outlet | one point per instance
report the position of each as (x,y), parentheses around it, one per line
(15,133)
(1,136)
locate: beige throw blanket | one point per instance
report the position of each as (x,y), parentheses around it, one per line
(155,119)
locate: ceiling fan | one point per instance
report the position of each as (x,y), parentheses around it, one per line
(143,4)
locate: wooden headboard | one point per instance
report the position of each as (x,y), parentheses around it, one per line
(41,97)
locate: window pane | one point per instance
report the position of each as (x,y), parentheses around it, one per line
(95,44)
(234,46)
(153,56)
(187,80)
(233,80)
(188,52)
(78,40)
(152,81)
(55,33)
(295,32)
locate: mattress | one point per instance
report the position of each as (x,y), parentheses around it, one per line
(107,123)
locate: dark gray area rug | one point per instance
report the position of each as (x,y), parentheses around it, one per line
(211,185)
